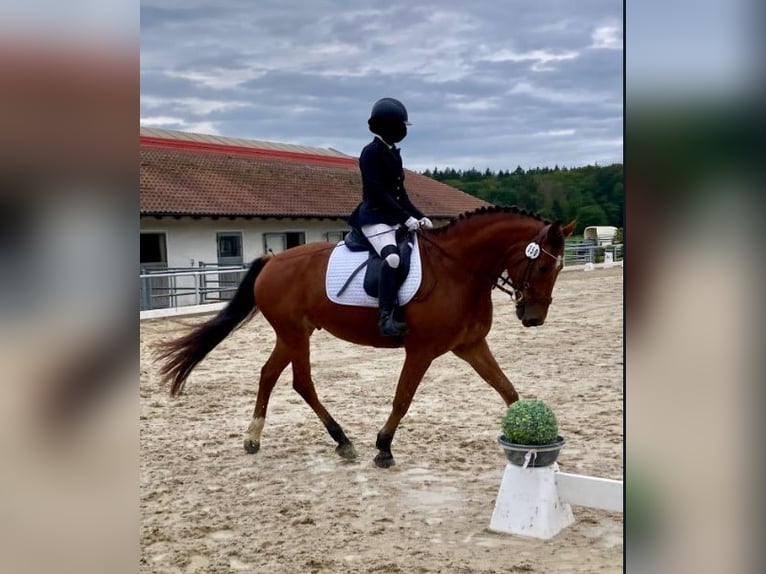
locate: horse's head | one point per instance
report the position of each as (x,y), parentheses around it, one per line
(534,274)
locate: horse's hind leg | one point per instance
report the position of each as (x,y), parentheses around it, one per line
(276,363)
(304,386)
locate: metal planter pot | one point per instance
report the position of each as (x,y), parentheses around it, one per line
(527,455)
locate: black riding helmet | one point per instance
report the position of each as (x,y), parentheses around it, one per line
(389,109)
(388,119)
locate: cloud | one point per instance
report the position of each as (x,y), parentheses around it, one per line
(478,79)
(160,121)
(194,106)
(556,133)
(467,104)
(179,124)
(607,38)
(217,78)
(577,96)
(539,58)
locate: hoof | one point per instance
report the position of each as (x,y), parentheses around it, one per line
(384,460)
(251,447)
(346,451)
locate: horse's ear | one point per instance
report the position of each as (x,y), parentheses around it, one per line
(569,228)
(554,234)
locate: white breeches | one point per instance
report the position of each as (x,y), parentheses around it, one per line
(381,236)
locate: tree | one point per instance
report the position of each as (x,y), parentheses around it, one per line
(594,194)
(590,215)
(558,213)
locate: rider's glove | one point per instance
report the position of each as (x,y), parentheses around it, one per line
(412,224)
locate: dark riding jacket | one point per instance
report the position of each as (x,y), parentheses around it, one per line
(384,199)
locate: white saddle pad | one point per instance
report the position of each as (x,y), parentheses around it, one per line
(342,264)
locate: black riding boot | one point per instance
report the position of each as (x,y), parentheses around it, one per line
(390,326)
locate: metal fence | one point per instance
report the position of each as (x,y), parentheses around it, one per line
(181,287)
(582,253)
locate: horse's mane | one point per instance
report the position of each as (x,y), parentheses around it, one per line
(486,210)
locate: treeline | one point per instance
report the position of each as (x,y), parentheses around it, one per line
(591,194)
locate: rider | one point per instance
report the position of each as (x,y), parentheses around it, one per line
(385,204)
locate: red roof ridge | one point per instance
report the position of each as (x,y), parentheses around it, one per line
(211,176)
(154,141)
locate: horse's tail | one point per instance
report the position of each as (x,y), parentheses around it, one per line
(183,354)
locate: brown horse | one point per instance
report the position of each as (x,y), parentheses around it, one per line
(452,311)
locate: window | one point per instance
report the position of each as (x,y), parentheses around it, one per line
(153,258)
(274,242)
(294,239)
(229,254)
(229,246)
(334,236)
(153,248)
(278,242)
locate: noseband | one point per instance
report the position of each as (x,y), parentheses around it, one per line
(531,253)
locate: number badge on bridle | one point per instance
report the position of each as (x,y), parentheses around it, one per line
(533,250)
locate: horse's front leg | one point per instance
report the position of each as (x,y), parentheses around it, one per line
(415,366)
(478,355)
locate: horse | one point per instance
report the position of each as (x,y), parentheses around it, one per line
(462,262)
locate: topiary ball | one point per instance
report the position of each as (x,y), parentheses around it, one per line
(530,422)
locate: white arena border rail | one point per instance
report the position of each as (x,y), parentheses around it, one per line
(185,311)
(592,266)
(537,502)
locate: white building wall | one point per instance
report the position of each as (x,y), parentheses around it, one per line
(190,241)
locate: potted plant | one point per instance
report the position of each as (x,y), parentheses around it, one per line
(530,434)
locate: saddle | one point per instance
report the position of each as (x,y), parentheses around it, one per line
(356,241)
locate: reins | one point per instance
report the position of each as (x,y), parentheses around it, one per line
(439,247)
(502,283)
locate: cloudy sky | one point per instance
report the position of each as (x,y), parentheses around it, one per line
(488,84)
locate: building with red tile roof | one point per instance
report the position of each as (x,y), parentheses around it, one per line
(209,200)
(194,175)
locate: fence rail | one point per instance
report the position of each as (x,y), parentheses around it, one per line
(182,287)
(582,253)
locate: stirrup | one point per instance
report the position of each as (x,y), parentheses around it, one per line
(390,327)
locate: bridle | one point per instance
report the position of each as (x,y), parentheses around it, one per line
(504,281)
(532,252)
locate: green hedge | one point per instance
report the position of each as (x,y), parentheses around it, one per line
(530,421)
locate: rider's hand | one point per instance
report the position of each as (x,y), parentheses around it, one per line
(426,223)
(412,224)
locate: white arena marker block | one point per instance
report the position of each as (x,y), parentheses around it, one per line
(590,491)
(528,503)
